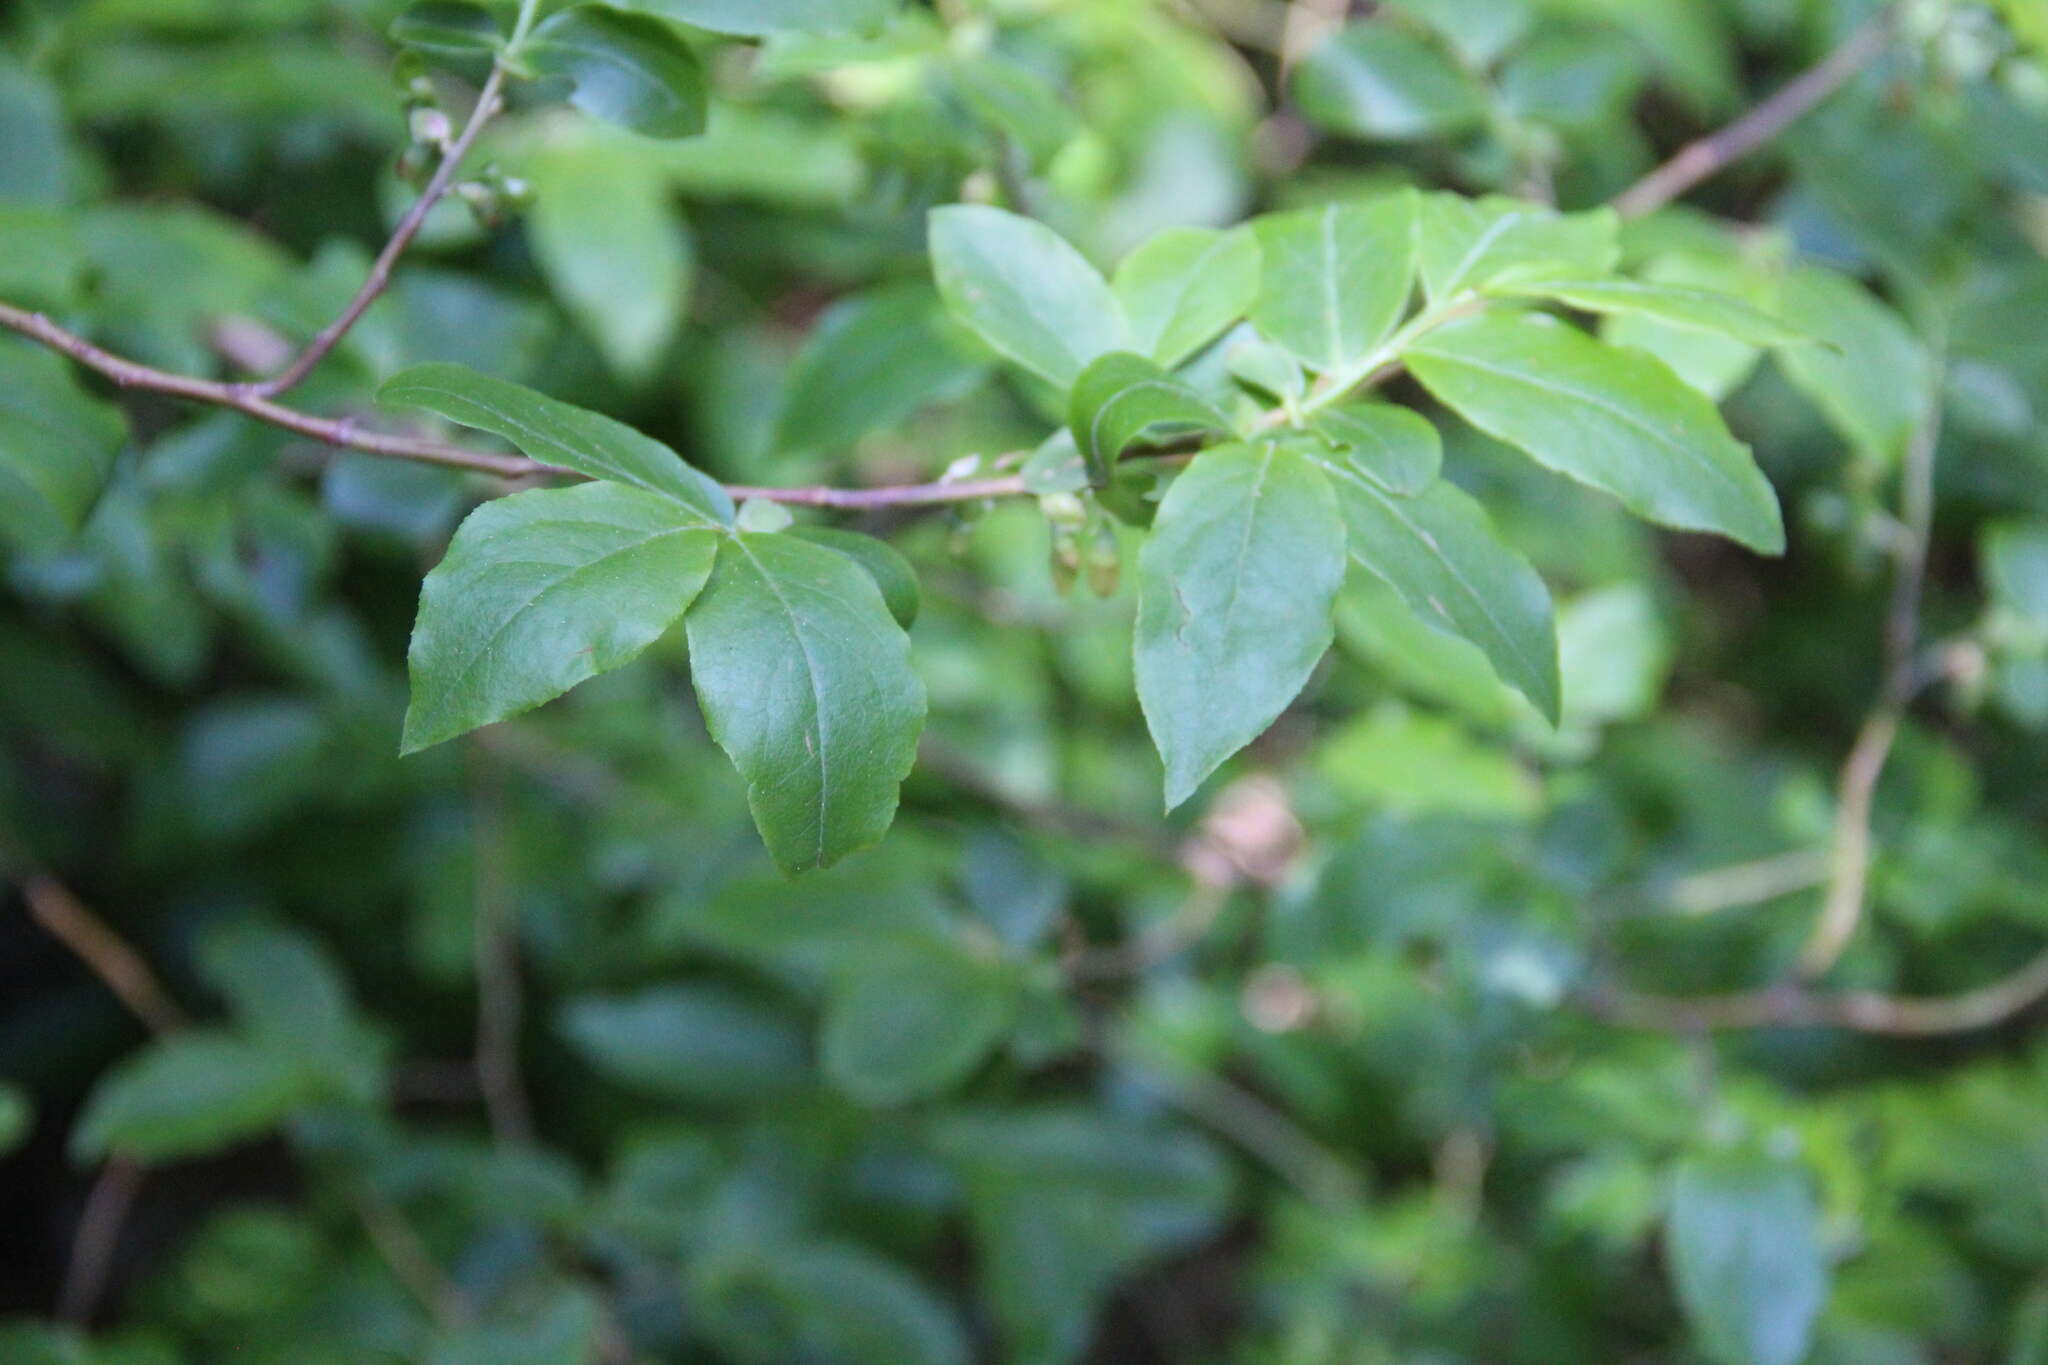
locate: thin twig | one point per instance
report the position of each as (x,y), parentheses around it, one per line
(488,102)
(119,967)
(1714,153)
(500,998)
(110,958)
(1849,859)
(1751,883)
(402,1250)
(1795,1006)
(99,1233)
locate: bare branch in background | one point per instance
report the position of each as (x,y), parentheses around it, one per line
(1711,155)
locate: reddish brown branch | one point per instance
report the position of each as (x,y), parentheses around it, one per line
(487,104)
(1717,151)
(103,951)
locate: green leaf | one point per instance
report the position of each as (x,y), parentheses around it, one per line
(57,447)
(1745,1253)
(567,1331)
(882,561)
(37,166)
(1871,378)
(1396,447)
(703,1043)
(1481,30)
(819,1300)
(452,28)
(873,361)
(1184,286)
(1471,244)
(909,1021)
(1235,588)
(1120,397)
(1335,280)
(287,994)
(2014,559)
(17,1118)
(1439,552)
(559,434)
(1381,82)
(1415,763)
(606,233)
(1023,289)
(187,1095)
(1616,420)
(1700,309)
(542,590)
(752,18)
(806,683)
(1014,101)
(630,69)
(1712,362)
(1063,1204)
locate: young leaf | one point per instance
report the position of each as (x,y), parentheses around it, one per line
(1024,290)
(1438,551)
(17,1118)
(806,683)
(1335,280)
(188,1095)
(1699,309)
(542,590)
(452,28)
(1379,81)
(1182,288)
(1397,447)
(754,18)
(1469,244)
(882,561)
(559,434)
(630,69)
(57,446)
(1871,379)
(1744,1246)
(1235,590)
(1613,419)
(607,235)
(1119,397)
(908,1021)
(871,362)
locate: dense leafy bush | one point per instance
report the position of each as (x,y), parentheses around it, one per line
(1550,493)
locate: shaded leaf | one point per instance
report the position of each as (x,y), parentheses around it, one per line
(449,27)
(1872,378)
(1617,420)
(1184,286)
(1470,244)
(1024,289)
(1120,397)
(699,1042)
(542,590)
(752,18)
(1397,447)
(1700,309)
(1438,551)
(558,433)
(871,362)
(1335,280)
(1379,81)
(806,683)
(1744,1244)
(882,561)
(1235,588)
(57,447)
(630,69)
(187,1095)
(908,1021)
(607,235)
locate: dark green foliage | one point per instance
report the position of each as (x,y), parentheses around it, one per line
(671,867)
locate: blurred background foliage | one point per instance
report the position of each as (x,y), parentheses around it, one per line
(519,1051)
